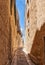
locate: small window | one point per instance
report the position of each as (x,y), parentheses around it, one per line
(28,21)
(27,1)
(28,14)
(28,30)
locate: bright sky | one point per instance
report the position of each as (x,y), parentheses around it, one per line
(21,9)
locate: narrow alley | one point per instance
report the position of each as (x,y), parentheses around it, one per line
(20,58)
(22,32)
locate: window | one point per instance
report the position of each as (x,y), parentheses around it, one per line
(28,14)
(28,32)
(27,1)
(28,21)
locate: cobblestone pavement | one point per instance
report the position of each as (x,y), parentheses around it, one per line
(20,58)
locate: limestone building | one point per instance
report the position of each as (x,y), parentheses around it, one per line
(37,28)
(5,33)
(27,26)
(38,50)
(8,31)
(18,31)
(30,24)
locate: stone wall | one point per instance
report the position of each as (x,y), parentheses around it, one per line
(40,13)
(5,33)
(8,31)
(37,17)
(37,31)
(38,49)
(33,21)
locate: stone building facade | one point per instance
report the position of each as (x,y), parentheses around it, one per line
(5,33)
(30,23)
(38,52)
(8,31)
(27,26)
(37,29)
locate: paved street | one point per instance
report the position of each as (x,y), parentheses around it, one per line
(20,58)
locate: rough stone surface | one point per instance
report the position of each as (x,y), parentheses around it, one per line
(20,58)
(38,48)
(5,33)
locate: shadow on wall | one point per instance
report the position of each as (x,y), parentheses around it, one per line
(37,54)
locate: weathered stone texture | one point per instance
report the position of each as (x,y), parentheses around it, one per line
(5,33)
(37,30)
(37,52)
(9,31)
(33,21)
(40,13)
(31,24)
